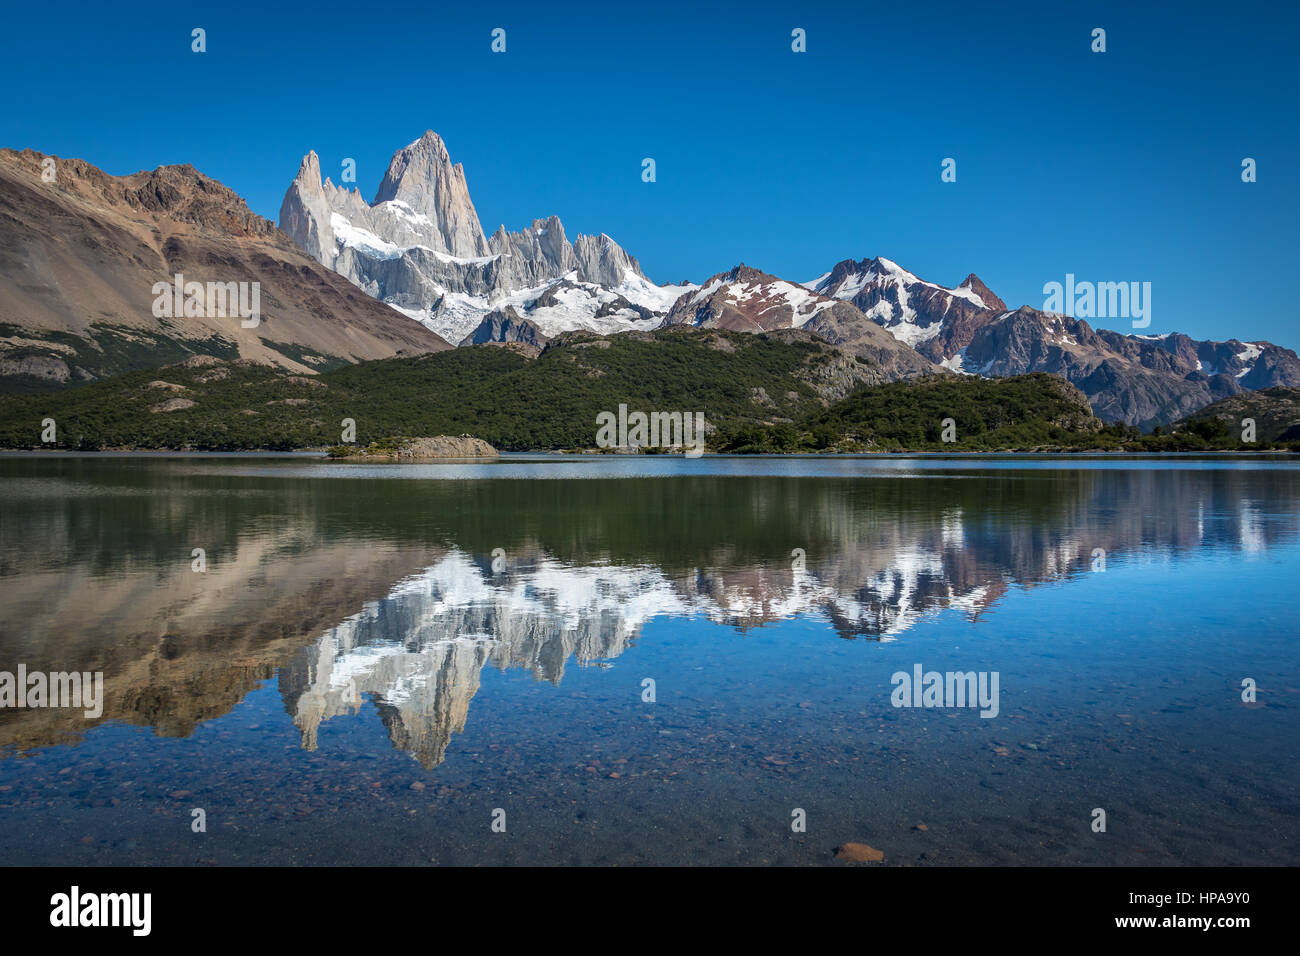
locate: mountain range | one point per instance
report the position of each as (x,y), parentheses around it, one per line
(419,247)
(1140,380)
(343,278)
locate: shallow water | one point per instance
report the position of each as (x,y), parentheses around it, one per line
(378,658)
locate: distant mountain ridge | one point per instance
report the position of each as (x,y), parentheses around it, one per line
(1140,380)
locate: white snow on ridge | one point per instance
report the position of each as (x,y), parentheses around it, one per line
(1248,355)
(885,275)
(903,326)
(894,269)
(367,243)
(460,260)
(961,292)
(404,210)
(641,291)
(575,307)
(851,286)
(912,334)
(803,303)
(362,239)
(705,291)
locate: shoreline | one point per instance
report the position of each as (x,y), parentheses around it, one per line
(323,456)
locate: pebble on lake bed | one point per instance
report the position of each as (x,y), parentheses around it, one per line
(858,853)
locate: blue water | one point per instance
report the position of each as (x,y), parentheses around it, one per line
(353,681)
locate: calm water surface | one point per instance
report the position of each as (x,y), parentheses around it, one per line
(377,659)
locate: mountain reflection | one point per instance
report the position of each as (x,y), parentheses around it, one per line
(418,652)
(387,591)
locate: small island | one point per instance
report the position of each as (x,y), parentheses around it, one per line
(438,448)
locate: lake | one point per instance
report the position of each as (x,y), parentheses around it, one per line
(653,659)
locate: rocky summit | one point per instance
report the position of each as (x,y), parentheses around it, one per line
(420,248)
(747,300)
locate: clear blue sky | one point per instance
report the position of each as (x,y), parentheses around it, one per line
(1122,166)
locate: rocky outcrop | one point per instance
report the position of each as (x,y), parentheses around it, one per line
(833,372)
(16,365)
(973,283)
(423,449)
(844,325)
(601,260)
(504,326)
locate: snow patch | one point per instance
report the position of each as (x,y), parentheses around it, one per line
(1248,355)
(957,363)
(363,239)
